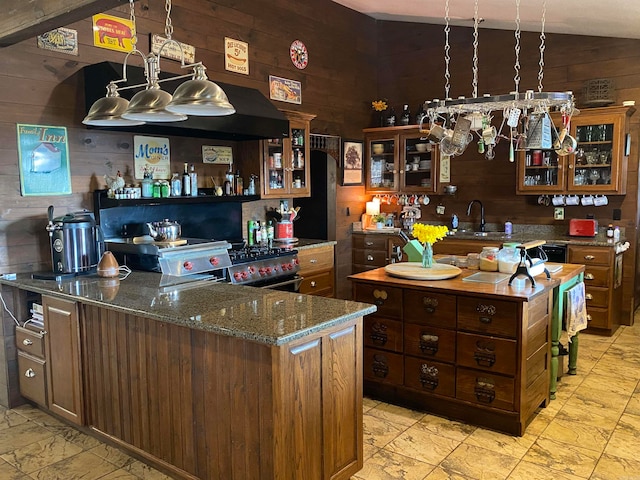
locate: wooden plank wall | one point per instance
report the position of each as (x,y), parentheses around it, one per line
(411,65)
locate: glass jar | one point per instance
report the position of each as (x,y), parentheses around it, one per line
(489,259)
(473,261)
(508,258)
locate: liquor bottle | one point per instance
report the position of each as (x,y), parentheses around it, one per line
(406,115)
(239,184)
(228,182)
(193,178)
(186,181)
(391,118)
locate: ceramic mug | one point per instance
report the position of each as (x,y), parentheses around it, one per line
(544,200)
(572,200)
(586,200)
(558,200)
(600,200)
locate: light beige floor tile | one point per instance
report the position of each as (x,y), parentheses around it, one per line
(569,432)
(369,403)
(9,418)
(368,450)
(600,398)
(609,383)
(616,468)
(378,432)
(479,463)
(575,411)
(9,472)
(119,475)
(440,473)
(633,407)
(538,424)
(624,353)
(74,436)
(625,370)
(112,455)
(447,428)
(386,465)
(41,454)
(571,459)
(21,435)
(413,441)
(38,416)
(394,414)
(84,465)
(532,471)
(502,443)
(145,472)
(624,440)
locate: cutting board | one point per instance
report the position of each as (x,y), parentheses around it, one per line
(149,239)
(415,271)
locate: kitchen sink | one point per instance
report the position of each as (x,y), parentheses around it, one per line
(473,233)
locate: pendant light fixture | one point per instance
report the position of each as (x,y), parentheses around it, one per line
(197,96)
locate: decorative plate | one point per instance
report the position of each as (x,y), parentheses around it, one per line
(299,55)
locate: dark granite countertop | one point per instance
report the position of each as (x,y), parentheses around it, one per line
(262,315)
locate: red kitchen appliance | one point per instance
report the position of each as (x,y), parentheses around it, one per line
(583,227)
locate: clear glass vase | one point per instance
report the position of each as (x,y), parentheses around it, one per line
(427,255)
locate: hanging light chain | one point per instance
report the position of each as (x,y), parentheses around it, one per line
(447,48)
(132,17)
(516,66)
(168,27)
(542,38)
(476,22)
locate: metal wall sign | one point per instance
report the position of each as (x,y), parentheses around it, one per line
(64,40)
(171,50)
(236,56)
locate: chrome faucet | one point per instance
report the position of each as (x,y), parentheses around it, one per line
(482,223)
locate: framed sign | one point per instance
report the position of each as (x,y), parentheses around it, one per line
(285,90)
(351,162)
(152,153)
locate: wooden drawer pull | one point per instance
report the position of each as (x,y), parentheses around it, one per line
(429,344)
(313,283)
(368,244)
(27,342)
(429,376)
(379,334)
(29,373)
(370,258)
(589,276)
(429,304)
(588,296)
(589,257)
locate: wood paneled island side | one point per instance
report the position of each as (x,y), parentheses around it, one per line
(212,381)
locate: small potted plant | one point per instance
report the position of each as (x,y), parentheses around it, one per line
(379,220)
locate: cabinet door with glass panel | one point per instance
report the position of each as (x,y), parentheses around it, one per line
(418,164)
(382,172)
(541,171)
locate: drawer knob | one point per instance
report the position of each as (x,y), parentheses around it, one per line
(313,260)
(313,283)
(27,342)
(368,244)
(589,276)
(370,258)
(588,296)
(589,257)
(29,373)
(588,318)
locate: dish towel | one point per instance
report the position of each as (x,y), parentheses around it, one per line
(576,310)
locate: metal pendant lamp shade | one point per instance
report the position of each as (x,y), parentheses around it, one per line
(107,111)
(200,97)
(149,106)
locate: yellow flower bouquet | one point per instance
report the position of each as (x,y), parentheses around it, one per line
(428,235)
(379,105)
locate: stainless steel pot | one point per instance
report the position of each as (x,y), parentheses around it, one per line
(165,230)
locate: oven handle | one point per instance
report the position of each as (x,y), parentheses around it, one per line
(294,281)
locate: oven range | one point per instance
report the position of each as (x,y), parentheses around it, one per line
(199,259)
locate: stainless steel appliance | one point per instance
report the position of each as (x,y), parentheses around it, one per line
(76,242)
(220,261)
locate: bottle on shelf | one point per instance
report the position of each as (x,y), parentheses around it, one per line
(229,182)
(239,183)
(186,181)
(193,178)
(176,185)
(391,118)
(147,184)
(405,119)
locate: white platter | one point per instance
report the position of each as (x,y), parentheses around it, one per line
(415,271)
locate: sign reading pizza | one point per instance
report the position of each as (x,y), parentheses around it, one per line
(236,56)
(114,33)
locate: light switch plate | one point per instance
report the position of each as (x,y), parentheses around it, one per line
(440,209)
(558,213)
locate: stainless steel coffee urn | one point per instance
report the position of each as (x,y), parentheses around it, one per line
(76,242)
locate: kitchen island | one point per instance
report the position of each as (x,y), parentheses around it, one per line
(476,352)
(203,381)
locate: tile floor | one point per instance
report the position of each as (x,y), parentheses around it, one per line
(590,431)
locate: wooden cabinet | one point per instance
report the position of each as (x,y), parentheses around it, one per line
(393,162)
(599,165)
(317,270)
(373,250)
(32,375)
(286,161)
(475,358)
(63,361)
(603,285)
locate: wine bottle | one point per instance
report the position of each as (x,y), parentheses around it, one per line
(193,179)
(406,115)
(186,181)
(391,118)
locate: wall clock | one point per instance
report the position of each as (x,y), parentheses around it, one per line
(299,55)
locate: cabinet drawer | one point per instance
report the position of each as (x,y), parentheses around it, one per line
(485,388)
(32,379)
(383,366)
(30,342)
(317,258)
(596,276)
(430,342)
(382,333)
(428,376)
(370,242)
(374,258)
(589,255)
(597,318)
(486,315)
(487,353)
(387,299)
(318,284)
(597,297)
(430,308)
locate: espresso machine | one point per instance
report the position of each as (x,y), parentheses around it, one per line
(76,243)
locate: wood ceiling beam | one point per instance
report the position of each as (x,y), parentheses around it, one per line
(28,18)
